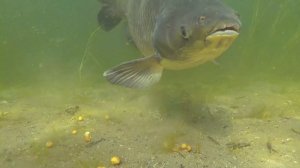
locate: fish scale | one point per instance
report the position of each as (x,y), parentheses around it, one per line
(142,30)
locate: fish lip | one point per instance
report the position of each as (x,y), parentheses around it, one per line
(226,29)
(223,33)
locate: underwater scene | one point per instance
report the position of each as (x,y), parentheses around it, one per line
(150,84)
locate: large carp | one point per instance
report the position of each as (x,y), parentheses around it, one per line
(171,34)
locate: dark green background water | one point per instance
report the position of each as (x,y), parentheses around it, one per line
(43,42)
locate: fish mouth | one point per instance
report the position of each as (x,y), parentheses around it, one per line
(225,30)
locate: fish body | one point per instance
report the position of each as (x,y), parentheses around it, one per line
(171,34)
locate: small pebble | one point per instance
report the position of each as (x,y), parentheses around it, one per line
(185,147)
(74,131)
(115,160)
(188,148)
(87,137)
(80,118)
(49,144)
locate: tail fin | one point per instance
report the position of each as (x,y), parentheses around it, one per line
(109,15)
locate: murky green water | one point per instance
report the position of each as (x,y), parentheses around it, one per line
(252,96)
(45,39)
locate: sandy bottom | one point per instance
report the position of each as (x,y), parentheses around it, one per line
(255,126)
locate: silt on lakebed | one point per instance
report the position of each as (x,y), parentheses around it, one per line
(171,34)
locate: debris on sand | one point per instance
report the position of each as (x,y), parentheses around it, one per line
(237,145)
(295,131)
(270,147)
(72,110)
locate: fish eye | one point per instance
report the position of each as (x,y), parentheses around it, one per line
(202,18)
(237,14)
(184,33)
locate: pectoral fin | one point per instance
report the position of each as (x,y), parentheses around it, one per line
(139,73)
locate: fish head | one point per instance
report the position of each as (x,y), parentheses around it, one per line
(199,30)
